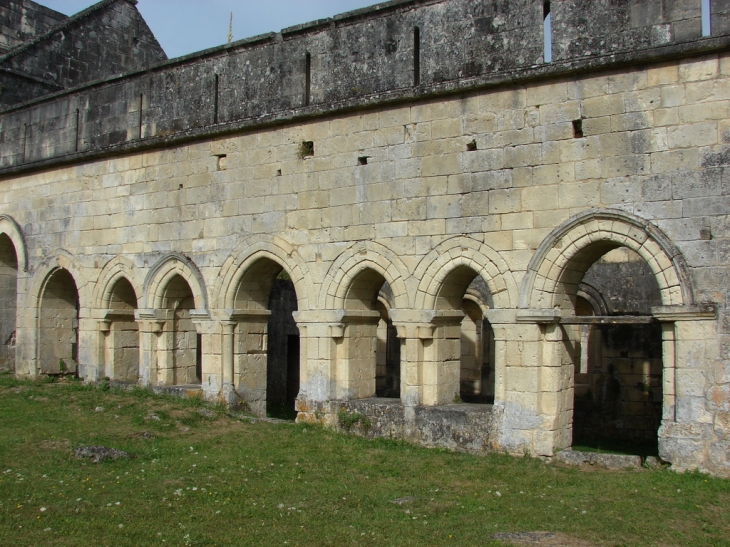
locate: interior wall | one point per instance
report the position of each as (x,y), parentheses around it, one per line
(8,302)
(179,298)
(58,335)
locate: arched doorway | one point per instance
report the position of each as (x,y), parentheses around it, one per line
(266,343)
(181,359)
(463,289)
(8,302)
(58,335)
(122,340)
(616,347)
(387,352)
(357,350)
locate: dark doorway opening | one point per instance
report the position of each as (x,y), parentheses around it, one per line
(282,364)
(618,372)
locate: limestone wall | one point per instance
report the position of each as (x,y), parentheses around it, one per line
(393,51)
(525,185)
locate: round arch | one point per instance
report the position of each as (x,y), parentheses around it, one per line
(464,252)
(357,259)
(10,228)
(62,259)
(162,273)
(582,239)
(276,250)
(117,268)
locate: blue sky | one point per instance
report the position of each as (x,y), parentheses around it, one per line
(184,26)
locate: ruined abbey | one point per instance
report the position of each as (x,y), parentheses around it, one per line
(476,224)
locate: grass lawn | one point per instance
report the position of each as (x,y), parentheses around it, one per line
(198,477)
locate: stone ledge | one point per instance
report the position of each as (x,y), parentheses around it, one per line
(609,461)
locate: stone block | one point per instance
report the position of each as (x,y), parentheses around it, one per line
(505,201)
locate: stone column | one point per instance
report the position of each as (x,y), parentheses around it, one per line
(228,389)
(442,359)
(26,324)
(151,324)
(537,392)
(415,332)
(318,332)
(104,345)
(250,344)
(210,352)
(355,340)
(87,350)
(693,398)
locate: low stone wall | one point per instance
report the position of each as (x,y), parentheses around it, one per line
(462,427)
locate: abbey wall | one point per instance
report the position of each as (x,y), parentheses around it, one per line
(453,238)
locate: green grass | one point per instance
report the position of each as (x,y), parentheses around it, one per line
(202,479)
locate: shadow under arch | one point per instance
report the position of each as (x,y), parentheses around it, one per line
(464,253)
(276,250)
(117,296)
(160,275)
(9,274)
(356,261)
(57,323)
(10,227)
(113,271)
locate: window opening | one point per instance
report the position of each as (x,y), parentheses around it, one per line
(547,33)
(416,56)
(308,78)
(706,20)
(578,129)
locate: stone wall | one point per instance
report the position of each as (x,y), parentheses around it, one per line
(363,57)
(109,38)
(522,182)
(22,20)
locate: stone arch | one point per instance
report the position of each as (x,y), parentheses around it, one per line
(462,278)
(353,263)
(564,255)
(9,227)
(464,252)
(117,294)
(164,271)
(277,250)
(65,260)
(58,315)
(117,268)
(8,302)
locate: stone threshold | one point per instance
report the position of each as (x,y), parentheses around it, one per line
(608,461)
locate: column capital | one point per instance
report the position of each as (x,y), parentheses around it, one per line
(685,313)
(539,315)
(422,324)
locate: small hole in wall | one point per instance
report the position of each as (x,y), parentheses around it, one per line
(705,234)
(180,187)
(471,146)
(278,172)
(362,160)
(306,149)
(578,129)
(222,162)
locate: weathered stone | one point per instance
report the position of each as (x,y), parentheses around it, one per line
(98,454)
(610,461)
(215,228)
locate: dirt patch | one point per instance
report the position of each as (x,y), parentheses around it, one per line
(60,444)
(551,539)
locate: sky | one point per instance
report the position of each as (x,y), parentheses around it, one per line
(185,26)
